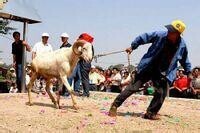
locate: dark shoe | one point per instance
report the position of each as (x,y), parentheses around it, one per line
(66,94)
(77,93)
(86,95)
(113,111)
(151,116)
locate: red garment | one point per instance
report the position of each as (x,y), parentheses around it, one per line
(86,37)
(182,83)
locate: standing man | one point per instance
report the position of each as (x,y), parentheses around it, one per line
(75,76)
(42,48)
(17,51)
(85,66)
(159,64)
(65,44)
(64,39)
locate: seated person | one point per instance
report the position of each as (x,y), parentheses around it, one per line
(115,80)
(125,80)
(181,85)
(94,79)
(11,80)
(195,82)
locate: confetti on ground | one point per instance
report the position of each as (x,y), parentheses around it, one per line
(177,115)
(42,111)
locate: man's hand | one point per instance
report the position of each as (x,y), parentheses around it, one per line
(129,50)
(24,43)
(28,48)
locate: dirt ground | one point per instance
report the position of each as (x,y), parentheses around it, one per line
(177,115)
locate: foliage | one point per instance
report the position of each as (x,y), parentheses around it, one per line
(4,28)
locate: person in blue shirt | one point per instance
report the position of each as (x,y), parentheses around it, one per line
(159,65)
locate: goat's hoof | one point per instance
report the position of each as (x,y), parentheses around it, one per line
(29,103)
(57,106)
(75,107)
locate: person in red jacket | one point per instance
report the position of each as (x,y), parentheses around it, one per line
(181,85)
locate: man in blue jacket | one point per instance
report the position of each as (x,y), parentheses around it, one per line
(159,64)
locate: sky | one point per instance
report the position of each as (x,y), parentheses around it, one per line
(113,23)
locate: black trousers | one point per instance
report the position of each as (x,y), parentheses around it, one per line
(115,89)
(159,82)
(19,77)
(93,87)
(85,81)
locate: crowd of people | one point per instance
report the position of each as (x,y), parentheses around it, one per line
(186,87)
(113,80)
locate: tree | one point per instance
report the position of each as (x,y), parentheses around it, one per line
(4,28)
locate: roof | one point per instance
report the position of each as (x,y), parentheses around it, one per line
(20,10)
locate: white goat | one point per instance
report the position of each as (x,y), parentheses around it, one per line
(59,64)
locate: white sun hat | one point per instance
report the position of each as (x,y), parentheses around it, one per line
(64,35)
(45,34)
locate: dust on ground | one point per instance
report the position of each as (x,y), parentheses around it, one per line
(177,115)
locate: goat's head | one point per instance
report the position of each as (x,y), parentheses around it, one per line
(83,49)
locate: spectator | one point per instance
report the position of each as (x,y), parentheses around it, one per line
(115,80)
(11,80)
(180,85)
(17,51)
(100,85)
(41,48)
(64,39)
(126,79)
(75,76)
(94,78)
(28,73)
(195,82)
(107,83)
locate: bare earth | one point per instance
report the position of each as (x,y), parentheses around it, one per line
(177,115)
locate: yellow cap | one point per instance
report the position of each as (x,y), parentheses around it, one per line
(178,25)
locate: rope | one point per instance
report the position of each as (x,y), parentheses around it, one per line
(105,54)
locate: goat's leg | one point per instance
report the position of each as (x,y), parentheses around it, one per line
(47,88)
(60,87)
(70,90)
(30,85)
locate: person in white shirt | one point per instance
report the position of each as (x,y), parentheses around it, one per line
(94,78)
(42,47)
(116,80)
(125,80)
(100,85)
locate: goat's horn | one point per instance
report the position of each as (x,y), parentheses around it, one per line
(78,44)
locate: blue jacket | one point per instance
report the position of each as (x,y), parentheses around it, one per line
(158,39)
